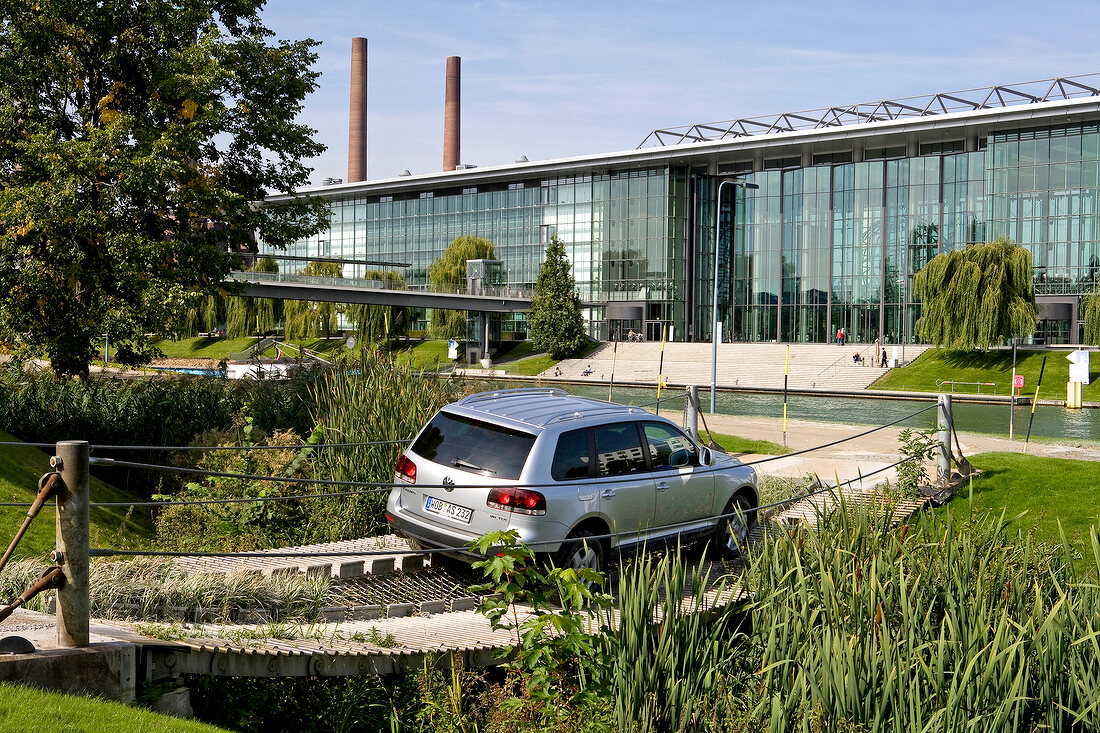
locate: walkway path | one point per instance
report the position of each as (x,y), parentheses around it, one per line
(812,366)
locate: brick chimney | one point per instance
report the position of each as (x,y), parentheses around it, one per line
(357,122)
(452,115)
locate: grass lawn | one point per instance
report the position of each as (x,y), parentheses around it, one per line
(202,347)
(36,711)
(1048,489)
(737,445)
(423,354)
(20,469)
(988,366)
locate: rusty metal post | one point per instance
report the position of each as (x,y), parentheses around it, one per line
(73,605)
(943,455)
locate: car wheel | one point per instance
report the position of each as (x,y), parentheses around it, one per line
(579,553)
(733,528)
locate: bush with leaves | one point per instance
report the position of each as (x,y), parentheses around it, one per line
(555,648)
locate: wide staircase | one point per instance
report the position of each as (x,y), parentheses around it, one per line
(825,367)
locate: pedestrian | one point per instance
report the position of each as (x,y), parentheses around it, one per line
(843,336)
(839,336)
(883,359)
(875,360)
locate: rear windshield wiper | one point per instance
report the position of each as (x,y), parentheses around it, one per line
(459,463)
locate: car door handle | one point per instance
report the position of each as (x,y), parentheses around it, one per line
(608,494)
(662,485)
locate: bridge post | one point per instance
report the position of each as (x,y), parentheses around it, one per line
(943,455)
(691,412)
(73,605)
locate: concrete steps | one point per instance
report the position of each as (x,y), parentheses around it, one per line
(812,366)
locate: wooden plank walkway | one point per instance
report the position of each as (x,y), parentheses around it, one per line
(331,558)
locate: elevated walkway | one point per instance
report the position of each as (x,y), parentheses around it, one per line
(824,367)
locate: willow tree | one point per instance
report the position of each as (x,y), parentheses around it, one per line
(381,323)
(312,319)
(246,316)
(448,275)
(977,296)
(1090,314)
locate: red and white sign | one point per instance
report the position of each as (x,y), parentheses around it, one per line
(1018,381)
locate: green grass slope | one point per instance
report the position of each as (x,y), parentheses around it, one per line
(31,710)
(1050,490)
(988,366)
(20,469)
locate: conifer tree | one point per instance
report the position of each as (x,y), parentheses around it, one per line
(555,321)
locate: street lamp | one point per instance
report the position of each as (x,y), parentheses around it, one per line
(714,335)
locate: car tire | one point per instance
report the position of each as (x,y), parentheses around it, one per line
(578,552)
(732,531)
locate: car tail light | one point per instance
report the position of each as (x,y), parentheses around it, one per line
(520,501)
(406,469)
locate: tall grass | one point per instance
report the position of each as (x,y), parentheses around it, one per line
(669,661)
(939,626)
(373,398)
(157,588)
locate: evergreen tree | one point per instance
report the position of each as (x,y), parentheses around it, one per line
(977,296)
(555,322)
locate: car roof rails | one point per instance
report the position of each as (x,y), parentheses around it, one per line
(518,392)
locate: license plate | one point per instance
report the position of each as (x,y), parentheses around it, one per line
(447,510)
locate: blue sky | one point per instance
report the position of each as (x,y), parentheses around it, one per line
(562,78)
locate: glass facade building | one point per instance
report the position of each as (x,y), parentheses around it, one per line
(830,238)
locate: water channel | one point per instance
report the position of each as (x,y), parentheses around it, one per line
(1050,421)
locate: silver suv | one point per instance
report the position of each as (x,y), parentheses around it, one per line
(574,477)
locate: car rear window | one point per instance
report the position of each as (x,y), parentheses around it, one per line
(474,446)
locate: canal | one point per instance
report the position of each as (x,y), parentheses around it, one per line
(1050,421)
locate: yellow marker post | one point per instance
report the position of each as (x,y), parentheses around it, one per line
(786,373)
(1034,400)
(661,369)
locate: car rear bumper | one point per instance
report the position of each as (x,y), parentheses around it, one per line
(455,543)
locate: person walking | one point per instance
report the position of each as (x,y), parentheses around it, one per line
(875,360)
(839,336)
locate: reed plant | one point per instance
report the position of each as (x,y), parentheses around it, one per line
(152,588)
(372,398)
(937,626)
(669,663)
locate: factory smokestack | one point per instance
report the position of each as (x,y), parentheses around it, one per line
(357,122)
(452,114)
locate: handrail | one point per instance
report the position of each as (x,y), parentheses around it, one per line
(941,382)
(835,366)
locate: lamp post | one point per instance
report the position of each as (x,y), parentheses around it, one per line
(714,335)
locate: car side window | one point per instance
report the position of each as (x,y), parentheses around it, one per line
(571,457)
(668,447)
(619,449)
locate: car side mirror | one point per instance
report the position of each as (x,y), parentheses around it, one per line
(706,457)
(679,458)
